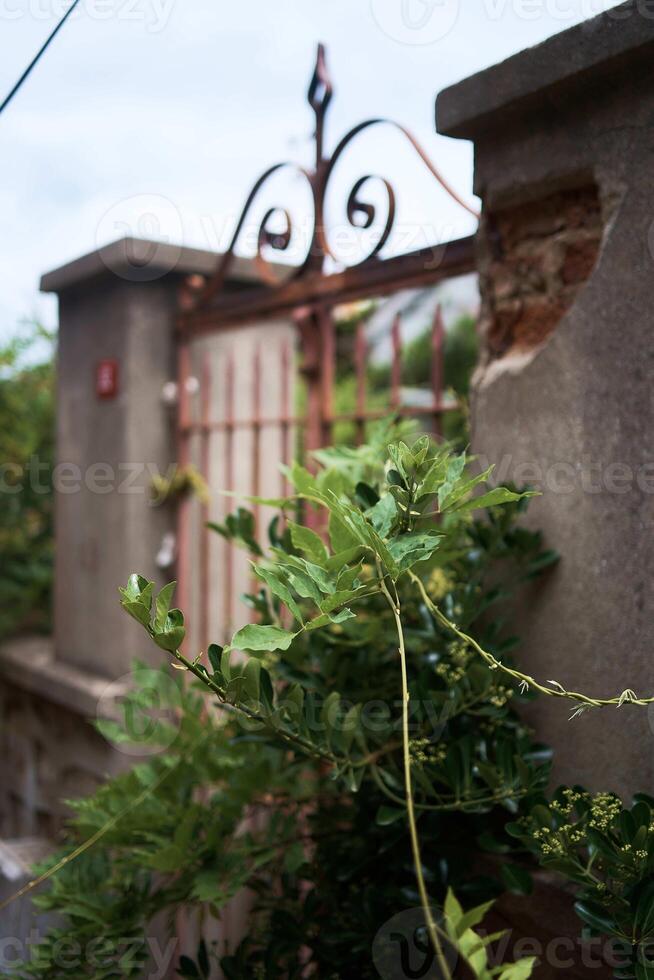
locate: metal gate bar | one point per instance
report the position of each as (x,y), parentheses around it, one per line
(307,298)
(314,429)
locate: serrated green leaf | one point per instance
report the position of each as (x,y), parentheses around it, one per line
(318,622)
(365,534)
(135,585)
(339,599)
(434,477)
(473,917)
(407,549)
(341,537)
(342,616)
(453,911)
(348,577)
(463,487)
(300,477)
(308,579)
(455,468)
(520,970)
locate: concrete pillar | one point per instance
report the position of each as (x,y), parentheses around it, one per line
(116,332)
(564,152)
(117,351)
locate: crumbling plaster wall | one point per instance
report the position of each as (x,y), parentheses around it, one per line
(564,396)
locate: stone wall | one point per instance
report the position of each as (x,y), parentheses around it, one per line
(48,754)
(117,305)
(564,149)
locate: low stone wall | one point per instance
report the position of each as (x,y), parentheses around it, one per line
(49,748)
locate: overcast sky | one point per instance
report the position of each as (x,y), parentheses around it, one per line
(154,117)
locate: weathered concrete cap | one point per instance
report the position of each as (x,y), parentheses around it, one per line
(582,56)
(29,663)
(142,260)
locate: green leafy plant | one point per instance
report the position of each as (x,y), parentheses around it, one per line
(369,713)
(146,843)
(472,947)
(335,856)
(607,851)
(377,538)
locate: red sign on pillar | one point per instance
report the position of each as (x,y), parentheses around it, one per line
(106,379)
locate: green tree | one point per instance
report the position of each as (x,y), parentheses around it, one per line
(460,351)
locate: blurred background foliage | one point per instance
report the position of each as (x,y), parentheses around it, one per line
(26,462)
(460,351)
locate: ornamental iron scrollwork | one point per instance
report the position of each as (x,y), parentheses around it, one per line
(361,213)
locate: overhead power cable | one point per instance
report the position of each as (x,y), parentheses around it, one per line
(38,56)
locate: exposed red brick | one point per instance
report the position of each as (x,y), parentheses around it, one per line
(579,261)
(542,252)
(524,326)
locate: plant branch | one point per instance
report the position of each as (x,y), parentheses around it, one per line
(558,691)
(97,836)
(295,740)
(411,815)
(453,804)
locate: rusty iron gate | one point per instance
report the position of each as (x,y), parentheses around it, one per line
(305,299)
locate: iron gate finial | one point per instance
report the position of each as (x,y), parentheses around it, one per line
(361,213)
(319,96)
